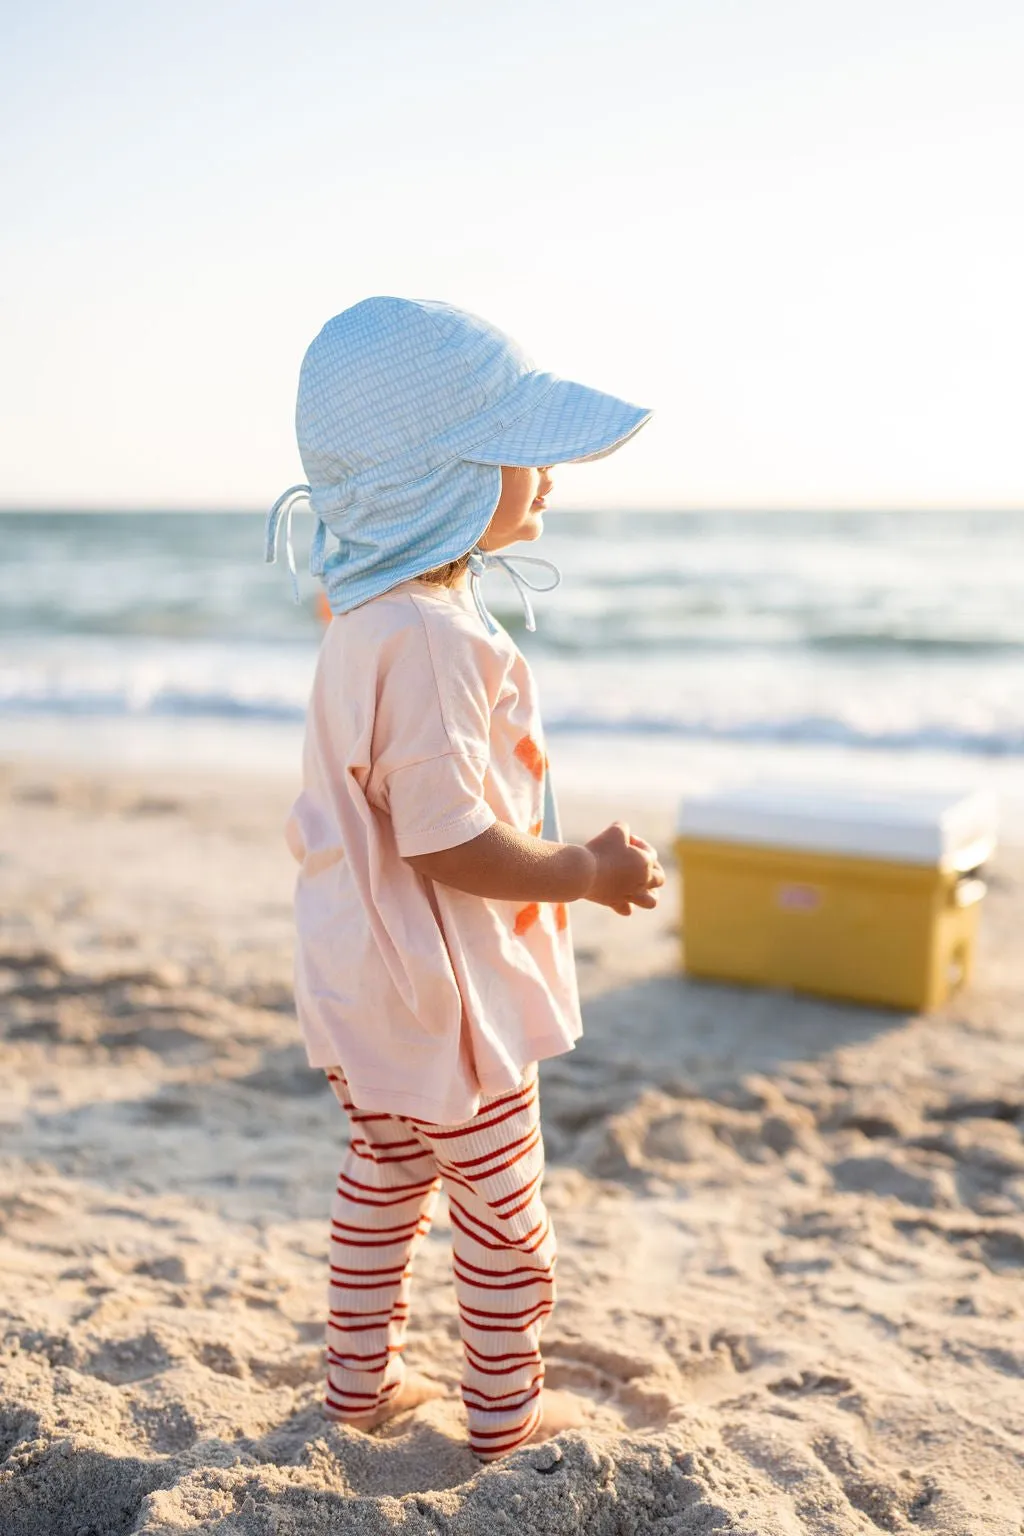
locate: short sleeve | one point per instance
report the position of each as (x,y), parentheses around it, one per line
(432,730)
(438,803)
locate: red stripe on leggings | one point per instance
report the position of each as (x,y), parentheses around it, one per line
(389,1242)
(488,1173)
(336,1357)
(520,1269)
(510,1407)
(360,1328)
(407,1230)
(405,1157)
(508,1098)
(420,1186)
(504,1285)
(515,1210)
(358,1285)
(397,1269)
(486,1312)
(516,1194)
(481,1174)
(484,1125)
(385,1312)
(384,1146)
(497,1434)
(482,1242)
(501,1397)
(333,1399)
(386,1318)
(500,1370)
(492,1452)
(503,1242)
(510,1146)
(524,1402)
(544,1312)
(407,1226)
(380,1205)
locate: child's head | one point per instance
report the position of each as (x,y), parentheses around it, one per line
(518,518)
(427,433)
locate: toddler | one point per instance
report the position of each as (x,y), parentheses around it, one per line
(434,966)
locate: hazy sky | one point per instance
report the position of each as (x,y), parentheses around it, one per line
(793,227)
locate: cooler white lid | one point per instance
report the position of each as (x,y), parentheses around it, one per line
(953,829)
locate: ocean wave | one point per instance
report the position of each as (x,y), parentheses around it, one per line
(796,729)
(162,703)
(609,639)
(701,629)
(858,632)
(805,731)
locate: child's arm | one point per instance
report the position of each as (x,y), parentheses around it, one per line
(507,865)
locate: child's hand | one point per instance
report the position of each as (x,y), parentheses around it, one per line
(628,873)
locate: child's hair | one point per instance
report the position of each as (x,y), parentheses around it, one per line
(445,575)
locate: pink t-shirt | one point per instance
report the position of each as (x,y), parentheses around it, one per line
(422,731)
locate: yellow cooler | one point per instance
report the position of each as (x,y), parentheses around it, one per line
(871,896)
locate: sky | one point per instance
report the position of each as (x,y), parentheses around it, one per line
(792,227)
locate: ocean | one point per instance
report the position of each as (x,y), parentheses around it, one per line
(679,646)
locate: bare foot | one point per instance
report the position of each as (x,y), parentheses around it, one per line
(415,1389)
(559,1410)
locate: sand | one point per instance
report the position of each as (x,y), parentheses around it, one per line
(792,1232)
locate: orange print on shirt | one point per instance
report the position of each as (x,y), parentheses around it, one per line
(537,829)
(526,917)
(561,916)
(531,756)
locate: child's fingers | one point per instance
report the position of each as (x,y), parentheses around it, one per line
(623,908)
(642,861)
(655,875)
(644,899)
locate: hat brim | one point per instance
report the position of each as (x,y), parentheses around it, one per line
(555,421)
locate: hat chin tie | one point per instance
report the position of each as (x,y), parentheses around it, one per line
(282,511)
(481,560)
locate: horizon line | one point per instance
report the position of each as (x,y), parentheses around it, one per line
(824,509)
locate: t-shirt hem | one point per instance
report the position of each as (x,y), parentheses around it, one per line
(537,1052)
(385,1098)
(388,1100)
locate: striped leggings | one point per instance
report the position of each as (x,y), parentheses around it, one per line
(504,1258)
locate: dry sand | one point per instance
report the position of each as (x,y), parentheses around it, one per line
(792,1233)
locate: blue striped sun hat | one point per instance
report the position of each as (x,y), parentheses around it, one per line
(406,411)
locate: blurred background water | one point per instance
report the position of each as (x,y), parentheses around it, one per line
(678,644)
